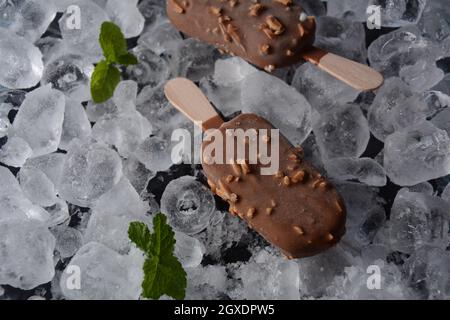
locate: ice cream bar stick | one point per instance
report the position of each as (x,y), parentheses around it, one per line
(356,75)
(190,100)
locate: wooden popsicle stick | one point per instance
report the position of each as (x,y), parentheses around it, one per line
(356,75)
(190,100)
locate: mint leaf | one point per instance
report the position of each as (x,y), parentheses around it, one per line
(113,42)
(106,76)
(104,81)
(164,276)
(138,233)
(163,273)
(127,59)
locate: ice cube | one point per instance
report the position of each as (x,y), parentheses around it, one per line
(83,38)
(400,48)
(224,87)
(15,152)
(427,273)
(342,37)
(365,170)
(95,111)
(341,132)
(444,85)
(126,131)
(154,12)
(312,7)
(125,95)
(446,193)
(208,282)
(434,23)
(355,284)
(40,119)
(26,255)
(196,59)
(76,124)
(188,250)
(127,16)
(90,170)
(321,90)
(365,213)
(28,19)
(362,228)
(398,13)
(14,204)
(51,48)
(105,275)
(37,187)
(137,174)
(59,213)
(224,234)
(155,153)
(359,200)
(418,219)
(5,124)
(188,204)
(439,103)
(22,65)
(50,164)
(152,70)
(318,272)
(152,103)
(423,187)
(232,70)
(69,73)
(267,277)
(416,154)
(112,214)
(312,152)
(279,103)
(421,75)
(161,38)
(348,9)
(10,100)
(384,110)
(227,99)
(68,240)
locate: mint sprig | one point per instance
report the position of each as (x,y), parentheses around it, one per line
(163,273)
(106,75)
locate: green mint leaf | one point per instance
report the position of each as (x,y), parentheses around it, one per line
(163,273)
(127,59)
(165,276)
(112,41)
(139,234)
(104,81)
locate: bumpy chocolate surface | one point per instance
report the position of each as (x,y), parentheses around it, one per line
(267,33)
(295,209)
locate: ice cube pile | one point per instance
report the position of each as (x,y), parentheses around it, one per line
(74,174)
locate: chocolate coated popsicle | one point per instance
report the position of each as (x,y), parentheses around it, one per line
(267,33)
(296,209)
(291,205)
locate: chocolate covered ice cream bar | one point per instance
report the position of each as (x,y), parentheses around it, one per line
(268,33)
(293,207)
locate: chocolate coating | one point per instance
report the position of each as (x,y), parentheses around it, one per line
(267,33)
(295,209)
